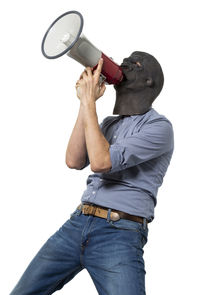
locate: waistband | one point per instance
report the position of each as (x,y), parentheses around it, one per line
(99,211)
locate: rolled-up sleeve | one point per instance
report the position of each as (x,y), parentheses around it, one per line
(153,140)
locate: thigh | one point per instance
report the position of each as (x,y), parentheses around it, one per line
(117,266)
(55,264)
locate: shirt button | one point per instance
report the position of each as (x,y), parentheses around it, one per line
(93,192)
(115,136)
(101,179)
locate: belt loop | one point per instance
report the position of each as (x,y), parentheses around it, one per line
(108,215)
(79,213)
(144,223)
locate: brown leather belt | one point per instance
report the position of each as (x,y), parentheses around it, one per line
(99,211)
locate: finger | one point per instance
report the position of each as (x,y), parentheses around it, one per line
(103,88)
(78,82)
(81,76)
(84,75)
(99,67)
(89,72)
(100,64)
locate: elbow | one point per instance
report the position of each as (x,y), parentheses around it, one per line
(70,163)
(72,166)
(101,168)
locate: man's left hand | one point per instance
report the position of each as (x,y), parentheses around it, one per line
(88,87)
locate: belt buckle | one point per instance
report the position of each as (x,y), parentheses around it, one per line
(114,216)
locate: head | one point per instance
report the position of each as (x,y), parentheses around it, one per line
(142,83)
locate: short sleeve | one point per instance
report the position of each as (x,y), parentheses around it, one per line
(87,161)
(153,140)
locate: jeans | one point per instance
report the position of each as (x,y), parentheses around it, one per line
(111,251)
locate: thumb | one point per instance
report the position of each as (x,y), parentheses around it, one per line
(103,88)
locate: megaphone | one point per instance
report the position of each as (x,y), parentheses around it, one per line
(64,36)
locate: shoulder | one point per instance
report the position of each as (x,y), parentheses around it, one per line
(154,119)
(107,120)
(158,129)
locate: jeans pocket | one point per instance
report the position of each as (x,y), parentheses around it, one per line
(75,213)
(126,224)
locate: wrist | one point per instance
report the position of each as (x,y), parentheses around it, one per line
(87,103)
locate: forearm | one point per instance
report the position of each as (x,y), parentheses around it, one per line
(88,91)
(76,149)
(97,145)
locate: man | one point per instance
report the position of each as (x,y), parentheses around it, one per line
(129,155)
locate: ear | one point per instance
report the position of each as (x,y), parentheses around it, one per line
(149,82)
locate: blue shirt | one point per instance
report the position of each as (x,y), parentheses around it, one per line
(141,148)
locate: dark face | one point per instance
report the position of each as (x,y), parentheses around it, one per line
(135,70)
(142,83)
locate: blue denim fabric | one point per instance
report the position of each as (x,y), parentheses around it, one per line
(111,251)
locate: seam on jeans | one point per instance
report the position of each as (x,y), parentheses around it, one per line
(52,288)
(91,226)
(139,270)
(80,258)
(140,274)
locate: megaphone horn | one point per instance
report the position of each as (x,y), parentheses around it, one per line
(64,36)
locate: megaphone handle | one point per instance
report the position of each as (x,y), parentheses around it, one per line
(102,78)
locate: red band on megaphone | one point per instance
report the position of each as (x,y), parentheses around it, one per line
(111,70)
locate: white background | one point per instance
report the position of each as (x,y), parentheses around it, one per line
(39,108)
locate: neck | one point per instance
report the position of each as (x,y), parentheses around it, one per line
(130,104)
